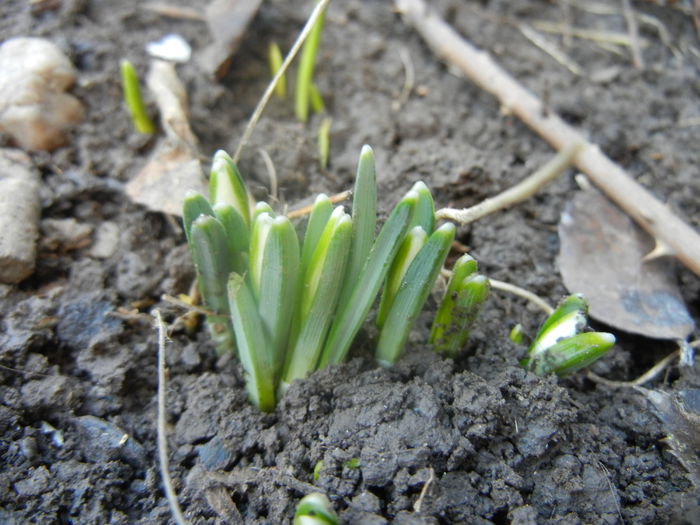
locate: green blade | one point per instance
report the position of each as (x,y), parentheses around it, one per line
(411,245)
(451,330)
(463,267)
(262,207)
(571,354)
(132,97)
(279,286)
(353,312)
(413,293)
(213,263)
(306,70)
(236,233)
(364,219)
(319,299)
(258,240)
(567,320)
(320,213)
(254,349)
(226,185)
(274,59)
(424,216)
(194,205)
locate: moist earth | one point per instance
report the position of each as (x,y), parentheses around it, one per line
(430,440)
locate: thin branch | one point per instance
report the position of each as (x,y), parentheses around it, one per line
(647,376)
(522,292)
(518,193)
(652,215)
(549,48)
(338,197)
(318,11)
(162,438)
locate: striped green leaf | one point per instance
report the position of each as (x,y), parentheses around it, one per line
(570,354)
(412,294)
(226,185)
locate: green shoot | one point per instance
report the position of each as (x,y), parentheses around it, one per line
(316,100)
(324,142)
(315,509)
(466,292)
(306,70)
(352,313)
(279,302)
(133,99)
(561,346)
(274,57)
(516,334)
(412,293)
(318,467)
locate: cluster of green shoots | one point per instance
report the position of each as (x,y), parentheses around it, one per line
(290,305)
(562,346)
(306,94)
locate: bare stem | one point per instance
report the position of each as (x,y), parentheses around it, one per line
(162,438)
(522,292)
(518,193)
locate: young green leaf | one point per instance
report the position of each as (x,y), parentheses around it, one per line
(353,312)
(569,319)
(457,313)
(254,348)
(262,207)
(194,205)
(279,286)
(463,268)
(413,292)
(236,231)
(516,334)
(324,142)
(424,216)
(316,100)
(274,58)
(258,241)
(132,97)
(306,70)
(319,297)
(315,509)
(364,219)
(226,185)
(212,258)
(411,245)
(320,213)
(570,354)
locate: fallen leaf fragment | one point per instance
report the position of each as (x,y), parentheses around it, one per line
(34,108)
(601,252)
(165,180)
(227,21)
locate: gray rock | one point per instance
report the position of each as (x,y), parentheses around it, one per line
(105,441)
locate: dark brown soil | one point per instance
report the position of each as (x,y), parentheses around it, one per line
(477,440)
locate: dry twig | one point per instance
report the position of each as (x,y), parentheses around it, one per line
(672,235)
(162,438)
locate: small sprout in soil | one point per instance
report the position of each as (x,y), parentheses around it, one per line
(133,99)
(352,463)
(305,74)
(318,467)
(274,57)
(316,100)
(324,142)
(561,346)
(516,334)
(290,307)
(466,293)
(315,509)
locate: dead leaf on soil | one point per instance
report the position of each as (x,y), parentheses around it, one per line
(227,21)
(601,252)
(680,414)
(165,180)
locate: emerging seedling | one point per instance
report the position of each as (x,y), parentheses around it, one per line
(466,293)
(304,83)
(291,307)
(561,346)
(133,99)
(315,509)
(275,60)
